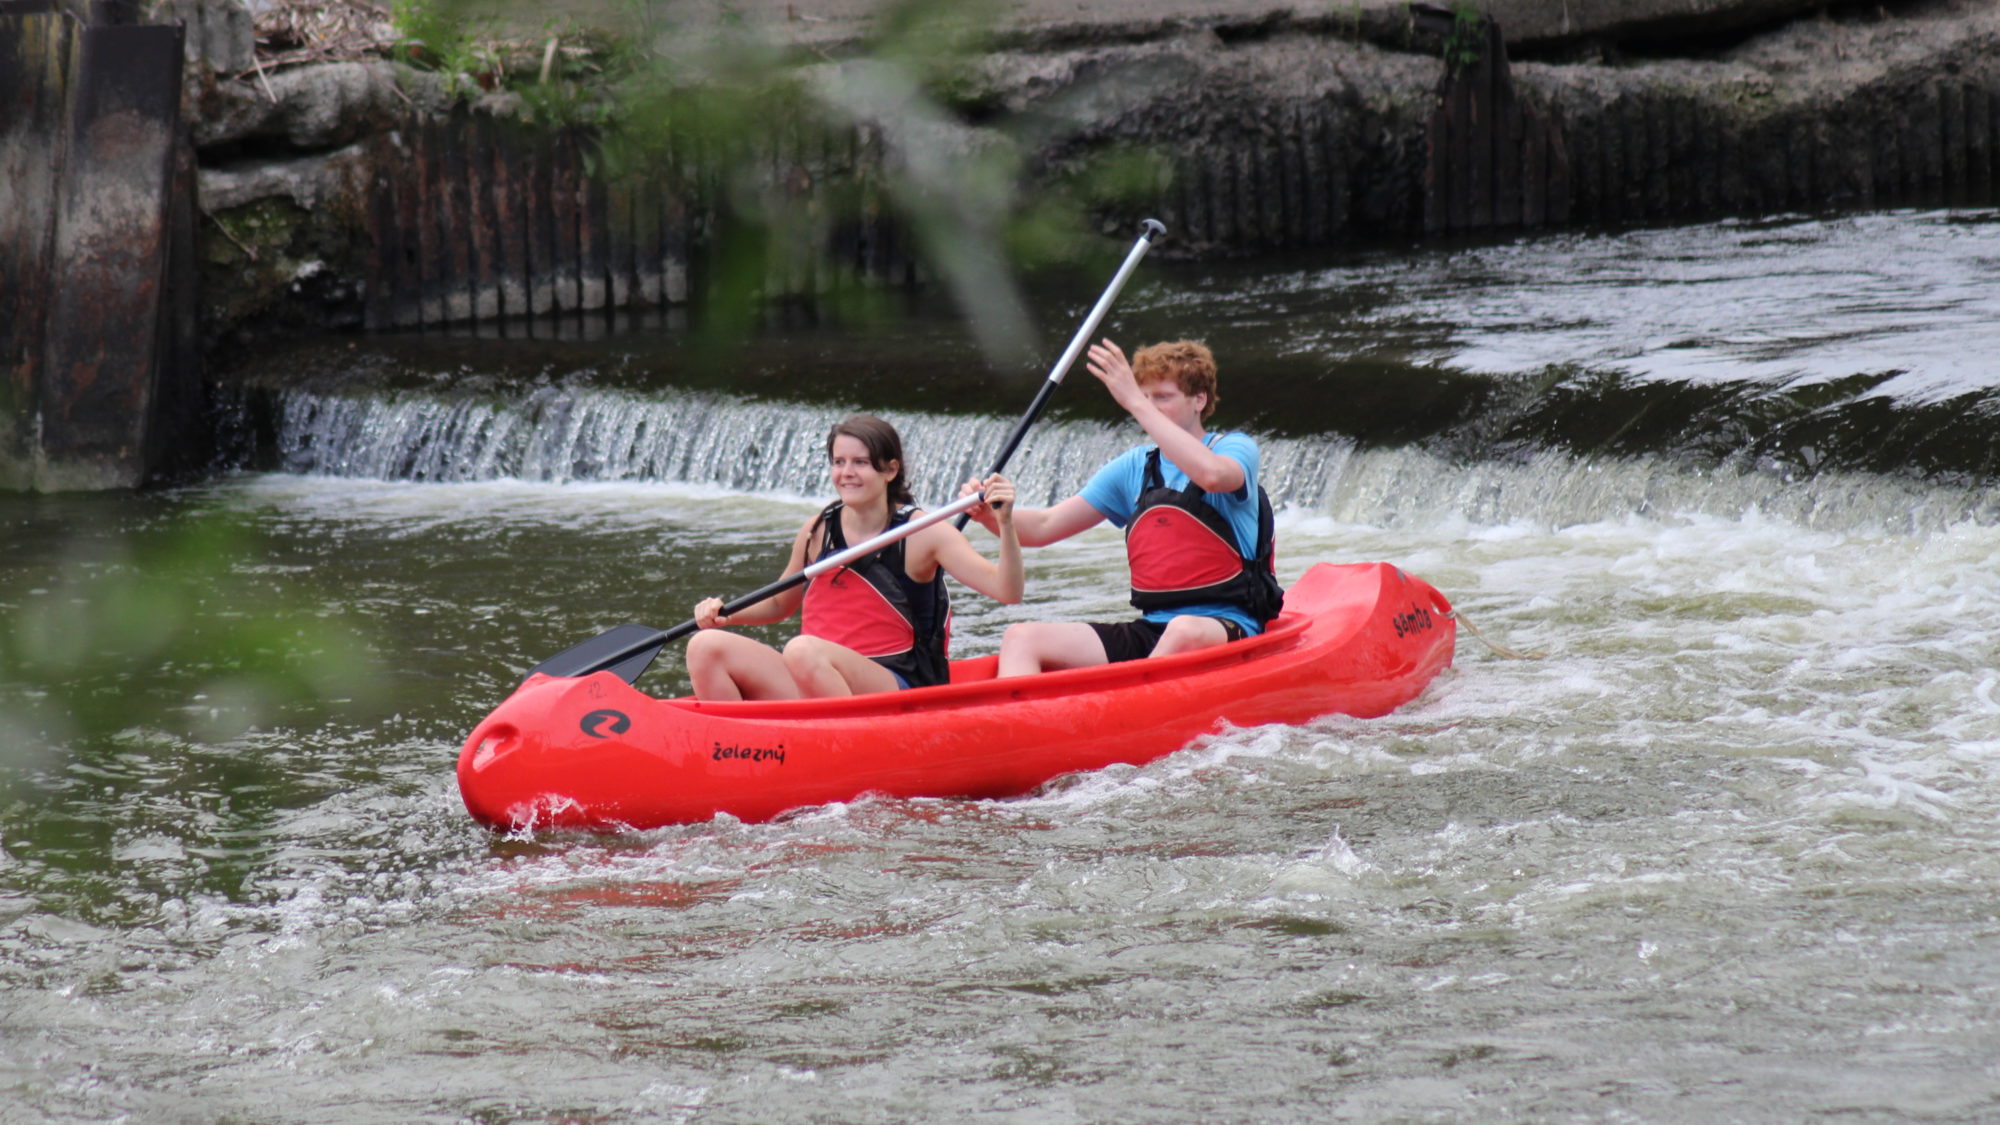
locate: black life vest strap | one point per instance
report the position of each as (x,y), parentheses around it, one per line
(1256,590)
(927,604)
(833,539)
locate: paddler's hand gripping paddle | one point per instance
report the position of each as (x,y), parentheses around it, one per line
(1148,231)
(628,650)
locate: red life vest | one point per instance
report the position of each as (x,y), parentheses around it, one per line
(1183,552)
(874,607)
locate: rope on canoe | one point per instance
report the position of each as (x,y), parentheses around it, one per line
(1458,615)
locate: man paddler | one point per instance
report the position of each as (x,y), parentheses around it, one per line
(1197,524)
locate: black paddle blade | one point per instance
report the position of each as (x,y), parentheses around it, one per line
(607,651)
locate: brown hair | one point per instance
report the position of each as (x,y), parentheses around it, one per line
(884,446)
(1188,363)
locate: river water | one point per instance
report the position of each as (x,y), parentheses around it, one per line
(1728,852)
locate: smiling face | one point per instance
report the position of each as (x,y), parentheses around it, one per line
(866,456)
(860,482)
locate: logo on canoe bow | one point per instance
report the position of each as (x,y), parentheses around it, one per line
(618,721)
(1418,620)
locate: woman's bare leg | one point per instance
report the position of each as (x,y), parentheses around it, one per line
(727,666)
(820,668)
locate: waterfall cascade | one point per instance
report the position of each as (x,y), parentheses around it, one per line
(558,435)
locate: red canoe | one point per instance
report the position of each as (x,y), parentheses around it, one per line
(595,752)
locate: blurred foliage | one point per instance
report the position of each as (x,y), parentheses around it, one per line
(1465,46)
(432,37)
(161,667)
(99,626)
(698,93)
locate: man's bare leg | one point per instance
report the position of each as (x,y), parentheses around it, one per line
(1046,646)
(1187,633)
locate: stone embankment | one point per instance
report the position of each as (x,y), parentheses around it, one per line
(339,187)
(1267,125)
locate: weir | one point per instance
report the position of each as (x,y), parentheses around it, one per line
(570,436)
(559,435)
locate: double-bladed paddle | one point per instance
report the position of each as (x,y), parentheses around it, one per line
(628,650)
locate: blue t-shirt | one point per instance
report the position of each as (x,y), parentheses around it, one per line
(1115,489)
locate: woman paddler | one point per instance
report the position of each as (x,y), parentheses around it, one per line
(880,624)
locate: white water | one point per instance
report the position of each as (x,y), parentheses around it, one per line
(1727,853)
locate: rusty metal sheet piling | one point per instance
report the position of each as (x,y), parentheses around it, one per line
(111,242)
(538,223)
(1493,160)
(455,221)
(593,245)
(394,299)
(179,441)
(37,53)
(621,286)
(505,151)
(648,248)
(428,181)
(482,234)
(564,192)
(379,282)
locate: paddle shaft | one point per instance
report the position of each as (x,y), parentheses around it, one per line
(819,566)
(1148,230)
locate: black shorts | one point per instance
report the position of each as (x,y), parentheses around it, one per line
(1136,640)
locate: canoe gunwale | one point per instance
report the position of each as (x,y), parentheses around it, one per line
(1285,634)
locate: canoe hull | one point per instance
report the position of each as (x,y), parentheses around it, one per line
(594,752)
